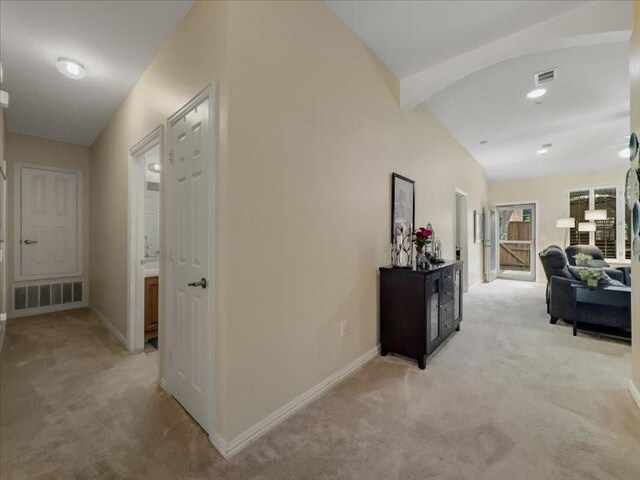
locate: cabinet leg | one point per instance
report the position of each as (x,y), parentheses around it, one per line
(458,328)
(384,350)
(553,320)
(575,328)
(422,362)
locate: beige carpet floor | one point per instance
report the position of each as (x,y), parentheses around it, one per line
(508,397)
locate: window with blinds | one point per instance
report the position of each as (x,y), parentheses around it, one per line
(605,235)
(579,202)
(612,235)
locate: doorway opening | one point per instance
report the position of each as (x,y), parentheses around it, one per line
(144,252)
(491,244)
(461,220)
(516,241)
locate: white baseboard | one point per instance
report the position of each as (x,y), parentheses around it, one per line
(634,392)
(30,312)
(109,326)
(163,384)
(3,317)
(228,449)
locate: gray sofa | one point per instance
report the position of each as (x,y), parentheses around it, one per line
(598,260)
(605,309)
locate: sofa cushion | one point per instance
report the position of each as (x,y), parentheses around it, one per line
(605,280)
(592,250)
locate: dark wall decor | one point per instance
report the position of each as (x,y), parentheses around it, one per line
(403,201)
(632,193)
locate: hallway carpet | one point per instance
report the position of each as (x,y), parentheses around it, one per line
(508,397)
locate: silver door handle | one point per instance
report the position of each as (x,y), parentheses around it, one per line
(202,283)
(30,242)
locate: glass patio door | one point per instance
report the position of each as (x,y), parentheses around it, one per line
(516,242)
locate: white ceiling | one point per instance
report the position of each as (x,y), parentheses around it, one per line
(115,40)
(409,36)
(585,113)
(472,63)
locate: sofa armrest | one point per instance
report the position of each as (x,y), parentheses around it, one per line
(562,298)
(626,273)
(615,274)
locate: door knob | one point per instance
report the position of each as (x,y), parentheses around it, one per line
(202,283)
(30,242)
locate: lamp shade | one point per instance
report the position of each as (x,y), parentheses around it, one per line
(568,222)
(586,227)
(595,215)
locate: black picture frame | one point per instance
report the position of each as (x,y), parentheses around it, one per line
(400,184)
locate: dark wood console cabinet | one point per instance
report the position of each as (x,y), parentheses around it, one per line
(419,309)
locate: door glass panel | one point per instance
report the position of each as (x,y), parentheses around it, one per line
(434,317)
(516,230)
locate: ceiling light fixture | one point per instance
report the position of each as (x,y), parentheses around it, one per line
(538,92)
(154,167)
(542,151)
(624,153)
(70,68)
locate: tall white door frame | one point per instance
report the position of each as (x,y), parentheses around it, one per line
(464,232)
(491,244)
(17,222)
(535,237)
(193,388)
(135,234)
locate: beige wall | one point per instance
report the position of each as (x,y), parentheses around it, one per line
(314,132)
(550,193)
(40,151)
(3,213)
(635,126)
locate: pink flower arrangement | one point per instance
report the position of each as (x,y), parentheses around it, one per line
(421,237)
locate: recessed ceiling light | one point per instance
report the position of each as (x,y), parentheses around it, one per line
(538,92)
(154,167)
(542,151)
(624,153)
(70,68)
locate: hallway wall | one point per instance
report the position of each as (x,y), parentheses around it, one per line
(40,151)
(310,133)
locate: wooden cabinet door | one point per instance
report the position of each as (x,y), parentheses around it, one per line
(150,304)
(434,333)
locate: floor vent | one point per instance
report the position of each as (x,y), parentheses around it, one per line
(47,294)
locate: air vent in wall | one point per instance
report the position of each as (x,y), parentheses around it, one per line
(44,295)
(545,77)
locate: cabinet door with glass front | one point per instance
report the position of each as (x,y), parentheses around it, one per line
(457,295)
(434,334)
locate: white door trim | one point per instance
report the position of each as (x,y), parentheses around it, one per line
(464,248)
(491,231)
(17,222)
(536,238)
(135,239)
(209,93)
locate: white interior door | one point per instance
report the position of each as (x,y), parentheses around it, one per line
(491,244)
(49,221)
(190,192)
